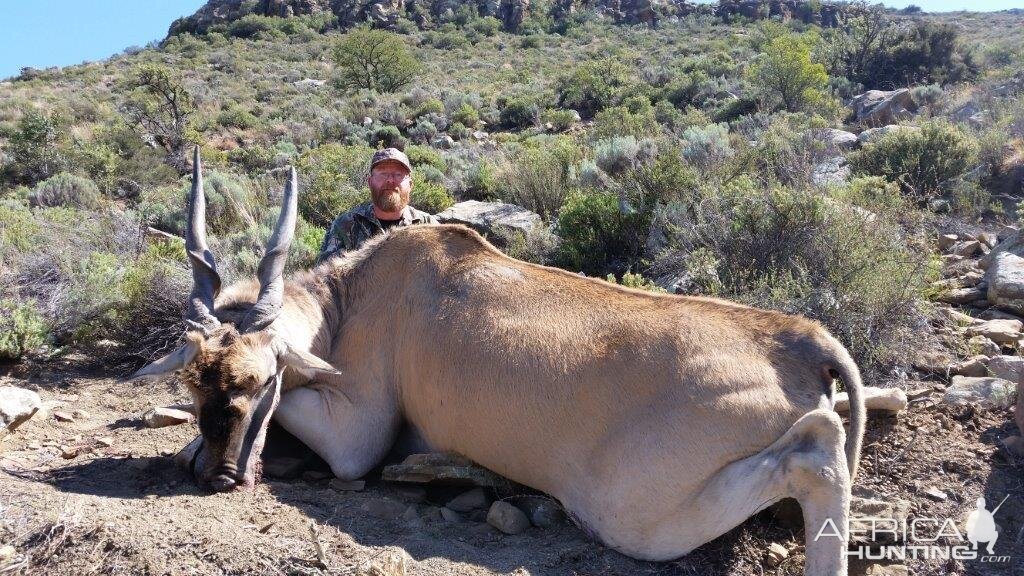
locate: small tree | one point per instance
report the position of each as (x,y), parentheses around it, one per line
(158,106)
(36,146)
(375,60)
(785,72)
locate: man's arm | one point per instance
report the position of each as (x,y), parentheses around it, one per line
(336,239)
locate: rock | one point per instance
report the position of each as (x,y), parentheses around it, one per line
(947,240)
(80,415)
(470,500)
(347,485)
(999,331)
(507,518)
(6,553)
(105,441)
(1005,274)
(969,113)
(444,141)
(988,239)
(488,217)
(973,366)
(890,400)
(384,509)
(935,494)
(543,512)
(984,391)
(479,135)
(839,139)
(873,134)
(283,467)
(962,295)
(412,517)
(1005,231)
(834,171)
(1007,367)
(445,468)
(776,554)
(69,452)
(367,121)
(983,346)
(1014,445)
(890,570)
(878,107)
(931,361)
(308,83)
(449,515)
(184,458)
(62,416)
(940,206)
(162,417)
(17,406)
(412,493)
(966,248)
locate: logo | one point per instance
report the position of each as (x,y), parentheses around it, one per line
(921,538)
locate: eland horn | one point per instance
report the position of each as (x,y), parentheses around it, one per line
(205,279)
(271,268)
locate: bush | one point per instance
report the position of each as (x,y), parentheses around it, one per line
(785,73)
(333,180)
(466,115)
(538,244)
(631,280)
(616,155)
(37,145)
(425,156)
(706,146)
(597,238)
(387,137)
(488,25)
(637,121)
(538,178)
(22,329)
(236,116)
(374,60)
(429,196)
(519,113)
(594,86)
(66,189)
(918,160)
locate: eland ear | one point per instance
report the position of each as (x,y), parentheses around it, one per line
(172,362)
(303,362)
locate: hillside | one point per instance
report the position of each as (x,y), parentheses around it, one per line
(858,166)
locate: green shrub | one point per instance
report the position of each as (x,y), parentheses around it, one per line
(706,146)
(539,178)
(918,160)
(466,115)
(374,60)
(488,25)
(333,180)
(22,329)
(597,237)
(236,116)
(637,121)
(519,113)
(786,73)
(594,86)
(631,280)
(37,146)
(425,156)
(387,137)
(66,189)
(428,106)
(561,120)
(616,155)
(429,196)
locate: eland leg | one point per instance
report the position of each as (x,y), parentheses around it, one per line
(807,463)
(351,434)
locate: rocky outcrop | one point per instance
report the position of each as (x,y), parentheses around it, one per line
(879,108)
(490,217)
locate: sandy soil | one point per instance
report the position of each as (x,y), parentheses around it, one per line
(126,509)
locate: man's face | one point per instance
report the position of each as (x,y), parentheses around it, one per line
(390,184)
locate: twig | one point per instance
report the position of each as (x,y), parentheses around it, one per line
(320,556)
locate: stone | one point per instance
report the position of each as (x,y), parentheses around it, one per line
(105,441)
(470,500)
(444,141)
(283,467)
(6,553)
(984,391)
(488,217)
(384,509)
(543,511)
(965,248)
(839,139)
(507,518)
(873,134)
(890,570)
(834,171)
(935,494)
(347,485)
(162,417)
(367,121)
(879,107)
(988,239)
(443,468)
(17,406)
(962,295)
(983,346)
(776,554)
(412,517)
(890,400)
(947,240)
(69,452)
(184,458)
(999,331)
(973,366)
(1007,367)
(449,515)
(308,83)
(62,416)
(1005,274)
(412,493)
(1014,445)
(480,135)
(969,113)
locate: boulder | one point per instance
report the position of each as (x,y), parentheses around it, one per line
(507,518)
(973,366)
(161,417)
(17,406)
(970,114)
(984,391)
(947,240)
(834,171)
(1004,268)
(879,107)
(1008,368)
(999,331)
(839,139)
(873,134)
(488,217)
(308,83)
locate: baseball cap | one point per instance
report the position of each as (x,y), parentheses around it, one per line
(391,154)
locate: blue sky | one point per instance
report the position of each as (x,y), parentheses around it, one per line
(63,32)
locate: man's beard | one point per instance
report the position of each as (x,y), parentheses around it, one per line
(390,200)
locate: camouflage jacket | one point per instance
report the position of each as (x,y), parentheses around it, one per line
(351,229)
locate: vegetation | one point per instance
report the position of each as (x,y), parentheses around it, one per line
(374,60)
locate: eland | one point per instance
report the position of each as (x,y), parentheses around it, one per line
(659,421)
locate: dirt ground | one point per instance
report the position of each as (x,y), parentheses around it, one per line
(126,509)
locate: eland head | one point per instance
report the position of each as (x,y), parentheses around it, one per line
(233,369)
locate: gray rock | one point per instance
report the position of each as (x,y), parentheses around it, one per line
(873,134)
(962,295)
(444,142)
(839,139)
(543,512)
(947,240)
(973,366)
(984,391)
(17,406)
(162,417)
(471,500)
(969,113)
(1005,274)
(449,515)
(384,509)
(834,171)
(878,107)
(347,485)
(999,331)
(443,468)
(965,248)
(984,346)
(507,518)
(487,217)
(1007,367)
(308,84)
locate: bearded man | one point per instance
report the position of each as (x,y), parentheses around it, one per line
(390,182)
